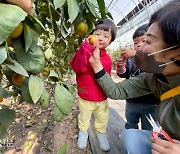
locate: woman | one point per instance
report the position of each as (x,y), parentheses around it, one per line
(161,57)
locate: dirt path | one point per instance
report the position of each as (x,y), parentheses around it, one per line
(118,105)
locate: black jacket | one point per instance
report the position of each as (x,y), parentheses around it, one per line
(131,71)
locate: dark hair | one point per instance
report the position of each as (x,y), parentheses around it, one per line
(106,25)
(168,19)
(140,31)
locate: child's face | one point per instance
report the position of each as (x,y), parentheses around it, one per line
(104,38)
(139,42)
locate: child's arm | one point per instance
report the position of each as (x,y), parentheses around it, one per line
(81,58)
(122,69)
(120,66)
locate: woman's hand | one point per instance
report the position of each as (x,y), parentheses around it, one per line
(160,146)
(95,59)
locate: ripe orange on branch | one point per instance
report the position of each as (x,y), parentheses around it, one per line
(18,79)
(81,28)
(9,42)
(17,31)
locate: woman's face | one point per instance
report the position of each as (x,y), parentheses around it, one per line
(155,42)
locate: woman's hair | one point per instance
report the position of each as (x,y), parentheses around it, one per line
(140,31)
(168,19)
(106,25)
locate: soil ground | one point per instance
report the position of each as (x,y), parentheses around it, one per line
(50,136)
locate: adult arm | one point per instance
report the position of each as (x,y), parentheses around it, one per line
(131,88)
(160,146)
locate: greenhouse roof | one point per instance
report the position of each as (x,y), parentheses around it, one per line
(124,10)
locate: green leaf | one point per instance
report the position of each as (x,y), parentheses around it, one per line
(25,92)
(91,7)
(89,23)
(30,35)
(36,87)
(72,90)
(7,115)
(3,53)
(64,99)
(53,76)
(3,132)
(58,115)
(16,67)
(73,9)
(59,3)
(66,25)
(3,93)
(11,16)
(55,14)
(36,21)
(32,60)
(109,15)
(48,53)
(27,36)
(45,99)
(55,18)
(63,149)
(64,32)
(102,8)
(94,2)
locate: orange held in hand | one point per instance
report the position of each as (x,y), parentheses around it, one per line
(18,79)
(92,40)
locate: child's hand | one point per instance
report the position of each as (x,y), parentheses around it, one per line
(127,53)
(164,147)
(120,66)
(120,62)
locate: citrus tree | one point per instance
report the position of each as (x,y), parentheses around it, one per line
(36,45)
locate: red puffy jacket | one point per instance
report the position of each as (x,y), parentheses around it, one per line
(88,89)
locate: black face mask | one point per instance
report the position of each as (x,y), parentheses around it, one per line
(147,62)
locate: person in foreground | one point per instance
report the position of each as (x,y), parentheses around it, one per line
(160,57)
(91,97)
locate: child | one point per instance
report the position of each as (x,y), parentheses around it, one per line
(91,97)
(138,107)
